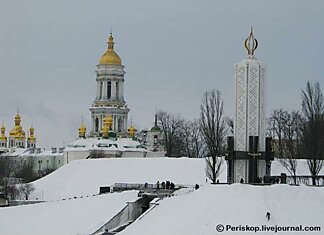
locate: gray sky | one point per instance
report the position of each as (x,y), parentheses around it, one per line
(173,51)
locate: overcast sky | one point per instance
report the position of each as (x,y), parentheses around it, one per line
(173,51)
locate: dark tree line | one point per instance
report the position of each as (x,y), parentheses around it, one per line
(14,178)
(300,135)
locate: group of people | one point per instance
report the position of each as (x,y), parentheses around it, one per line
(165,185)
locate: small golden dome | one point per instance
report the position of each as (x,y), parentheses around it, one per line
(12,133)
(3,136)
(3,128)
(131,131)
(110,56)
(82,131)
(108,121)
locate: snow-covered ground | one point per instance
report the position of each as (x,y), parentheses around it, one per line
(201,211)
(84,177)
(188,212)
(69,217)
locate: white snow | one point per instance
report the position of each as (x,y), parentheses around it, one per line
(199,212)
(70,217)
(84,177)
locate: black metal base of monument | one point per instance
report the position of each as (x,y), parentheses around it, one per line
(252,156)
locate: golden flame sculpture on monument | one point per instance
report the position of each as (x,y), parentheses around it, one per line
(251,44)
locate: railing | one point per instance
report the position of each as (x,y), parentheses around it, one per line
(300,179)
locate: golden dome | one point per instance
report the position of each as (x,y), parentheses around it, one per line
(3,136)
(82,131)
(31,137)
(12,133)
(108,121)
(3,128)
(17,119)
(131,131)
(110,56)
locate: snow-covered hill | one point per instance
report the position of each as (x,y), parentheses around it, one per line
(70,217)
(84,177)
(201,211)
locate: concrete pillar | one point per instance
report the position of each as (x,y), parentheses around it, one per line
(104,90)
(121,90)
(98,90)
(92,123)
(117,90)
(113,90)
(100,123)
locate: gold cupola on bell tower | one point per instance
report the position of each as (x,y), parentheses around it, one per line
(110,56)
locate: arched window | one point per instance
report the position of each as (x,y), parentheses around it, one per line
(109,90)
(96,125)
(120,125)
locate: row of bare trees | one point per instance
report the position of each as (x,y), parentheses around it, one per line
(14,179)
(300,134)
(203,137)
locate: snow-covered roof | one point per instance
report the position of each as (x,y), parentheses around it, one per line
(25,152)
(120,144)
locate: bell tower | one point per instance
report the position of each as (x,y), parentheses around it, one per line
(109,99)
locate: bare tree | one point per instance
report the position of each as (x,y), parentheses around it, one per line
(213,129)
(172,128)
(313,139)
(94,153)
(194,146)
(9,187)
(286,133)
(26,189)
(26,171)
(230,124)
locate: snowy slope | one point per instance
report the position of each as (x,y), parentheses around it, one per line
(71,217)
(84,177)
(199,212)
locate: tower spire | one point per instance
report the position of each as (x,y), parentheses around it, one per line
(251,43)
(111,41)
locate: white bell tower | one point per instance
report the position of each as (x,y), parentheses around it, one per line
(110,100)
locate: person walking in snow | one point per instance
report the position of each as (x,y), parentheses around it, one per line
(268,215)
